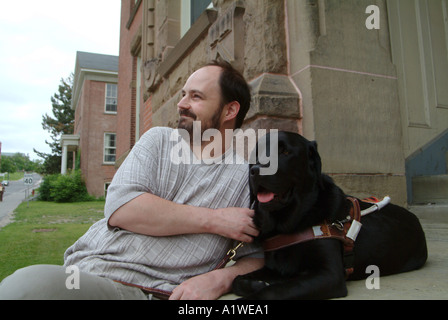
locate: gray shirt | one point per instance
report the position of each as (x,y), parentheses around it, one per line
(163,262)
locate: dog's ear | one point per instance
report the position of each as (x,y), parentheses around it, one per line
(314,159)
(253,197)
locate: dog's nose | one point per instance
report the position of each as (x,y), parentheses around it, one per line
(254,170)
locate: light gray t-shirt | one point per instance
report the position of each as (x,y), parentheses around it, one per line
(163,262)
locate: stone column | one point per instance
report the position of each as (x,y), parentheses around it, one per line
(64,160)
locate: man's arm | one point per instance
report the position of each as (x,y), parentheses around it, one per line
(214,284)
(151,215)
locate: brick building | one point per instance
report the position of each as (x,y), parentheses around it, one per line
(94,99)
(365,79)
(129,99)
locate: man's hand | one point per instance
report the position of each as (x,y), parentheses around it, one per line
(235,223)
(203,287)
(150,215)
(214,284)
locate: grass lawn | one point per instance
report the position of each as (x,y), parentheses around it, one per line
(14,176)
(41,233)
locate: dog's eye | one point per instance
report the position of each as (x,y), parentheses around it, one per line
(284,151)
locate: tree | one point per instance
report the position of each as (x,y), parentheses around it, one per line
(19,162)
(61,123)
(7,165)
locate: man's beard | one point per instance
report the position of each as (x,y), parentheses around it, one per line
(187,123)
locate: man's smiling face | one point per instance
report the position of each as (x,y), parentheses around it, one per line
(201,100)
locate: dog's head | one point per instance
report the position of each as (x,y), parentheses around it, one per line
(292,182)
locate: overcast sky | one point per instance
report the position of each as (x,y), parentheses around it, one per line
(38,44)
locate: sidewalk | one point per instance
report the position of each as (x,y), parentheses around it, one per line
(8,205)
(428,283)
(14,196)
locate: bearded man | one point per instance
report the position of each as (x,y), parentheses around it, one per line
(167,225)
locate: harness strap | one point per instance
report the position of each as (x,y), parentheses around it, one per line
(351,230)
(335,230)
(323,231)
(158,293)
(164,294)
(344,231)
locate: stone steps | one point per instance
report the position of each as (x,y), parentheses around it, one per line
(430,189)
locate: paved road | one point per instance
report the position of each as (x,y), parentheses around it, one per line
(14,195)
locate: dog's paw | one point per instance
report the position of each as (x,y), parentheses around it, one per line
(244,287)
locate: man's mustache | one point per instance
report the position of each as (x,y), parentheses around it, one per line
(187,113)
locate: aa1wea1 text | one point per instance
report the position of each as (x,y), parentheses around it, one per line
(232,309)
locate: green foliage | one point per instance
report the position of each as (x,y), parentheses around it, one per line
(19,162)
(52,163)
(15,176)
(64,188)
(61,122)
(46,186)
(7,165)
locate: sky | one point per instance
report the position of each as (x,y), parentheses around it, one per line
(38,44)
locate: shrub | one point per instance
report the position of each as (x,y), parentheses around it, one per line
(64,188)
(46,186)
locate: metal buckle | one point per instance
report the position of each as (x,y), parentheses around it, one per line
(232,252)
(338,225)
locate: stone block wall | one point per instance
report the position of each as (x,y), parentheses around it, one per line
(249,34)
(313,66)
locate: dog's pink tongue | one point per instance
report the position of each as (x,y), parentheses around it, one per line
(265,196)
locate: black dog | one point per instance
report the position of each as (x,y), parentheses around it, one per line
(298,197)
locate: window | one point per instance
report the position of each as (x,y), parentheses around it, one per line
(190,12)
(111,98)
(110,147)
(197,7)
(106,186)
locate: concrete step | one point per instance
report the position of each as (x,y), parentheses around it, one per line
(430,189)
(437,213)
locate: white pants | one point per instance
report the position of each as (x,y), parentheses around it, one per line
(49,282)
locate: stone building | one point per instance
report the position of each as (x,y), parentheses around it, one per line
(366,79)
(94,99)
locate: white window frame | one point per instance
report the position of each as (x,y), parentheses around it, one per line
(185,15)
(106,148)
(106,186)
(110,97)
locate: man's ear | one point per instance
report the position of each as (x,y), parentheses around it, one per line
(231,110)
